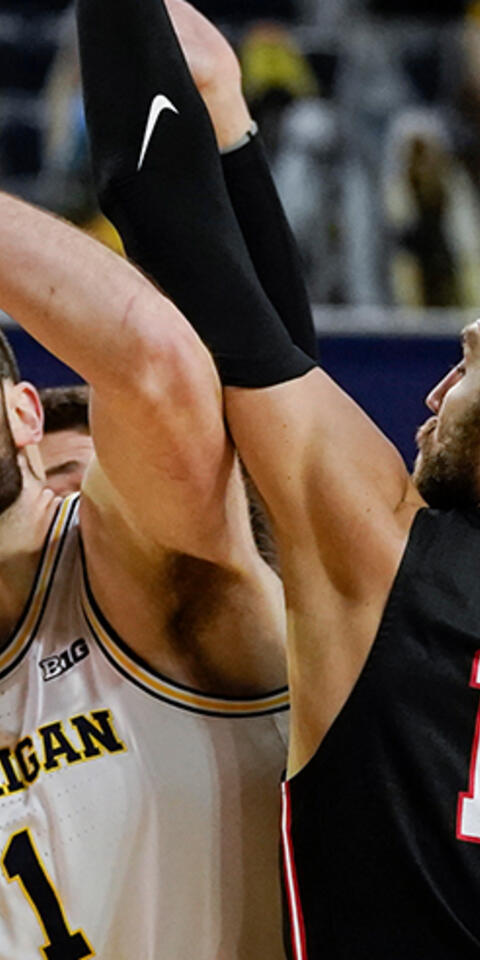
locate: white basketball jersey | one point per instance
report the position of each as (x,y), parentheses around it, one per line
(138,818)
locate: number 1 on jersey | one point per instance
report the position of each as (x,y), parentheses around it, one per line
(22,862)
(468,811)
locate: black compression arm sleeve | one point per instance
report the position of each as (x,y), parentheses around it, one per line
(160,181)
(269,239)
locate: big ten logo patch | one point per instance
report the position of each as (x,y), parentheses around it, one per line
(58,664)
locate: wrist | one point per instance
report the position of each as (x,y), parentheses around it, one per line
(242,141)
(230,116)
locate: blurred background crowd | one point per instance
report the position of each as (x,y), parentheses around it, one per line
(370,110)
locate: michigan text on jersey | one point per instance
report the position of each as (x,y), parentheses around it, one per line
(51,747)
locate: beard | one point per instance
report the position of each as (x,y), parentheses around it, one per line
(10,474)
(446,471)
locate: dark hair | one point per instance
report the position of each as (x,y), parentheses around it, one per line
(65,408)
(8,365)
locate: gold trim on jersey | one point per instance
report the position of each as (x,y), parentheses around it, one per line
(43,580)
(158,686)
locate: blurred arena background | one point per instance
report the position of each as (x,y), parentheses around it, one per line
(370,110)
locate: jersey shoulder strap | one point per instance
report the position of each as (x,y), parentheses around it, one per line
(27,627)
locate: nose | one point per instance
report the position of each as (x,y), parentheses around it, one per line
(435,397)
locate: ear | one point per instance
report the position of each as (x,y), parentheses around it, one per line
(25,413)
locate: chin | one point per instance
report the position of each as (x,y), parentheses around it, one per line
(427,451)
(446,481)
(424,435)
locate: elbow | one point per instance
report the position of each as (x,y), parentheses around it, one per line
(169,367)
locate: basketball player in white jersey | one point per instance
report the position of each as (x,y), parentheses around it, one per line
(142,691)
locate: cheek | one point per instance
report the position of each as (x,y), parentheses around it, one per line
(453,409)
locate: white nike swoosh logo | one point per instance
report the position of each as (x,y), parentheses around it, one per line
(159,103)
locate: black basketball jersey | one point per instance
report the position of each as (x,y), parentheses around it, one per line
(381,829)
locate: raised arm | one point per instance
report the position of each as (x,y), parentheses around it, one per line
(339,493)
(176,173)
(154,383)
(252,192)
(142,157)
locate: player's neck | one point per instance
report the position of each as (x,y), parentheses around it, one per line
(23,528)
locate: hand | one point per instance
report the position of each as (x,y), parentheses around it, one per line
(215,71)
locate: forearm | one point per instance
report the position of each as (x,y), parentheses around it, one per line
(73,295)
(255,200)
(171,204)
(269,239)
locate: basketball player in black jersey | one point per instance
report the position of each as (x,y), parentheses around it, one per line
(381,814)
